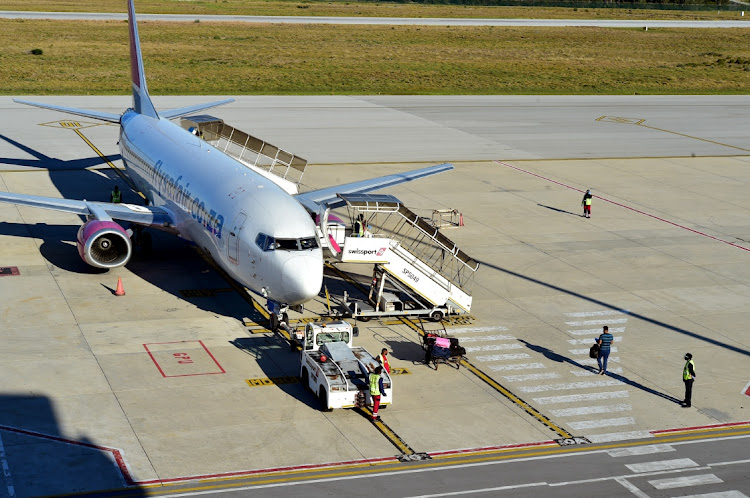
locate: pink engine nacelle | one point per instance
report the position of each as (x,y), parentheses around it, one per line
(104,244)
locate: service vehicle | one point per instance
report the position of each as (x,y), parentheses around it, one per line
(335,370)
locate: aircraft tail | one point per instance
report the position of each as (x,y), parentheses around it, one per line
(141,100)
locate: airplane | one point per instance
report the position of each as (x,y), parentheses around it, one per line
(262,236)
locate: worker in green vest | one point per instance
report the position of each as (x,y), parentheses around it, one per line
(586,203)
(116,195)
(688,376)
(376,390)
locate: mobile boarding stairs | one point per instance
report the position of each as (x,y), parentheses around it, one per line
(427,273)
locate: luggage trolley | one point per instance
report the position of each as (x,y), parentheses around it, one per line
(438,347)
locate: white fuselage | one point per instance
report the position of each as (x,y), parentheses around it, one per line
(251,227)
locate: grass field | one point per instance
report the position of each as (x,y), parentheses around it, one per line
(371,9)
(234,59)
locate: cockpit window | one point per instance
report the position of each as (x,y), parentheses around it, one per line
(268,243)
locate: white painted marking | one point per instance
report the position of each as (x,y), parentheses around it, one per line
(588,410)
(572,398)
(490,338)
(612,349)
(589,373)
(492,347)
(679,463)
(468,330)
(484,490)
(502,357)
(602,423)
(631,487)
(571,385)
(640,450)
(525,377)
(731,462)
(683,482)
(595,332)
(517,366)
(584,314)
(591,340)
(592,361)
(721,494)
(606,321)
(6,470)
(619,436)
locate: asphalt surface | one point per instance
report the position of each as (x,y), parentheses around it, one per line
(410,21)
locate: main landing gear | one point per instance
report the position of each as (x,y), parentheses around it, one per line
(277,315)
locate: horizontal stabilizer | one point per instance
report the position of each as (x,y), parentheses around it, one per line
(314,199)
(181,111)
(101,116)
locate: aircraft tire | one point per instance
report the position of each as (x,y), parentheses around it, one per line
(273,322)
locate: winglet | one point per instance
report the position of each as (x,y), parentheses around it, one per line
(141,101)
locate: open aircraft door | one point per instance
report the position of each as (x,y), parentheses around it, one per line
(233,244)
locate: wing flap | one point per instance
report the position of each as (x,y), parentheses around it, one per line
(314,199)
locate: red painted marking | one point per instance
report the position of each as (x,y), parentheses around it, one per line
(626,207)
(747,390)
(492,448)
(183,358)
(116,453)
(698,427)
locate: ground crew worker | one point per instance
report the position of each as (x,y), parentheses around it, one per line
(383,359)
(376,390)
(116,195)
(688,376)
(586,203)
(359,226)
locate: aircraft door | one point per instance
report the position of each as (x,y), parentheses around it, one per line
(233,241)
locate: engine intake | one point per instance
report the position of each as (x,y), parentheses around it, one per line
(104,244)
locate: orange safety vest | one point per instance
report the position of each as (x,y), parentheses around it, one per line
(384,361)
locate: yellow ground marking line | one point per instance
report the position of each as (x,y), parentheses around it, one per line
(523,453)
(388,433)
(518,401)
(639,122)
(112,166)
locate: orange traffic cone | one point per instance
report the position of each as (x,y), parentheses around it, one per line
(120,291)
(460,219)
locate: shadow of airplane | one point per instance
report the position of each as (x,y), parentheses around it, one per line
(604,304)
(50,163)
(551,355)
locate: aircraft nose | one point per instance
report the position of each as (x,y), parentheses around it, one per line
(302,278)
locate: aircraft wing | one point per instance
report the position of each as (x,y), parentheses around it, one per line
(314,199)
(143,215)
(181,111)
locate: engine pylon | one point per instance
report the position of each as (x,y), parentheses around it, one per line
(120,291)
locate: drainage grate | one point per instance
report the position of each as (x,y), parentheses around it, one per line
(9,270)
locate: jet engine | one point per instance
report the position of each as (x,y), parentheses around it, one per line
(104,244)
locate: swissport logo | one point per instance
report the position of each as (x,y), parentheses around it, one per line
(367,252)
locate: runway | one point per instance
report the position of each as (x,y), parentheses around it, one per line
(388,21)
(92,398)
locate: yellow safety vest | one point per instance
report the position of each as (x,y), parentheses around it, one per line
(116,196)
(374,387)
(588,203)
(686,371)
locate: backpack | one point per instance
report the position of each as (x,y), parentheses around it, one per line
(594,351)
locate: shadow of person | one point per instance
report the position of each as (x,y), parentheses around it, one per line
(559,210)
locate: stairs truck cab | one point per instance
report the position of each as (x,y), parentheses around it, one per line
(336,371)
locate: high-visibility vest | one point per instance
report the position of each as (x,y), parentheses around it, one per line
(686,371)
(588,203)
(116,196)
(374,387)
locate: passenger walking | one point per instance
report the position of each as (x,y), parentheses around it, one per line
(383,359)
(376,390)
(688,376)
(586,203)
(116,195)
(605,341)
